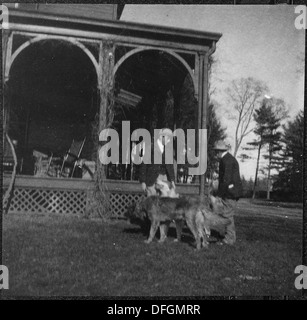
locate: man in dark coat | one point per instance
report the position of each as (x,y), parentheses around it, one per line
(150,173)
(230,187)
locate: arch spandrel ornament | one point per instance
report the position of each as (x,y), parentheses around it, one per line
(137,50)
(13,50)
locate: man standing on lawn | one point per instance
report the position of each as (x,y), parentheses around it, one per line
(229,189)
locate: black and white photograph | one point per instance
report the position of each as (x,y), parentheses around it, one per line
(153,151)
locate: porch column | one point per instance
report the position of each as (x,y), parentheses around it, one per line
(105,86)
(7,40)
(105,81)
(202,107)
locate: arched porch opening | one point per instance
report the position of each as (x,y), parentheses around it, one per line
(53,100)
(153,89)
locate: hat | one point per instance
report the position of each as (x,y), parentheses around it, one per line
(221,145)
(165,132)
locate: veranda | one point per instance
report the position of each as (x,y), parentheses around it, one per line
(59,75)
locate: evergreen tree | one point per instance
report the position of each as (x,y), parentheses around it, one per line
(187,119)
(267,119)
(290,178)
(215,133)
(272,138)
(261,117)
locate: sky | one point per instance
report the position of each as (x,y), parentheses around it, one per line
(257,41)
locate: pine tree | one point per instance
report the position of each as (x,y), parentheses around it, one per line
(261,117)
(215,133)
(272,138)
(290,177)
(267,119)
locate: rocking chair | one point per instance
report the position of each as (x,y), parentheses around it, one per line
(72,156)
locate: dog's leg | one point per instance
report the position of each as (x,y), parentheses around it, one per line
(153,229)
(163,231)
(207,230)
(203,236)
(202,228)
(192,227)
(179,225)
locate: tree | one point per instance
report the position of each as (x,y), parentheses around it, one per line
(187,116)
(244,94)
(186,119)
(215,130)
(215,133)
(261,116)
(290,176)
(272,137)
(267,119)
(247,186)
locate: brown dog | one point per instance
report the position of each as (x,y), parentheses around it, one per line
(206,214)
(197,215)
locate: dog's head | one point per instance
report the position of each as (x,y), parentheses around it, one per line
(166,189)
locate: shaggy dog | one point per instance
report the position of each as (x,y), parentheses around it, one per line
(211,211)
(166,210)
(194,211)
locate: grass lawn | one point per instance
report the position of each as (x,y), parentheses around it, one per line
(57,255)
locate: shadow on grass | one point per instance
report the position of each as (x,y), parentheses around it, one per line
(142,228)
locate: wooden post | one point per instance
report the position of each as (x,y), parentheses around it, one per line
(105,81)
(204,117)
(202,105)
(7,40)
(105,85)
(203,100)
(99,201)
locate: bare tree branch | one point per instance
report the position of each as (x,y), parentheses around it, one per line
(244,95)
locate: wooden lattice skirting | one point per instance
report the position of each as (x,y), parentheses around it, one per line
(71,196)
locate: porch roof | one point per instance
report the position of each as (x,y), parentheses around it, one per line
(121,31)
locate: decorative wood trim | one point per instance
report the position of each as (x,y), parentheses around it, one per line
(41,37)
(8,55)
(172,53)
